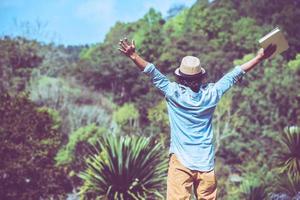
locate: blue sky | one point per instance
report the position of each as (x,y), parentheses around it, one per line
(73,21)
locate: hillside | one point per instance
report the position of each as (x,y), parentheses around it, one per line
(92,90)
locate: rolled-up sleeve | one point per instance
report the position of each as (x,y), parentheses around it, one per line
(158,79)
(228,80)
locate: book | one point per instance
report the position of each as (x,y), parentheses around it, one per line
(275,37)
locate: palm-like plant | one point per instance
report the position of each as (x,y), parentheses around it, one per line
(289,180)
(289,184)
(253,189)
(125,168)
(290,159)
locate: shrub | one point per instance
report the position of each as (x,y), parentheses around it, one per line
(290,158)
(289,184)
(29,140)
(253,189)
(125,168)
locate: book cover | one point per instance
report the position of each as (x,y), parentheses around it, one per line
(275,37)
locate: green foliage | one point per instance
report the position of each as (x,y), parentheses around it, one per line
(77,106)
(127,117)
(245,59)
(239,181)
(158,116)
(30,139)
(277,13)
(288,180)
(175,10)
(57,60)
(295,64)
(126,114)
(245,38)
(72,156)
(18,57)
(88,134)
(84,115)
(223,120)
(290,158)
(87,53)
(214,20)
(289,162)
(135,169)
(56,118)
(153,36)
(149,22)
(84,83)
(289,184)
(175,26)
(253,189)
(53,92)
(263,110)
(159,122)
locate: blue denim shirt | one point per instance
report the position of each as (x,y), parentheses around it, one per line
(190,116)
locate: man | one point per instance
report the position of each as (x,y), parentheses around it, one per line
(190,108)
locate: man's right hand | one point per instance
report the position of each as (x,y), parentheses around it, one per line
(126,48)
(129,51)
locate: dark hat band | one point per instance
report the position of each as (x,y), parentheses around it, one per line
(194,76)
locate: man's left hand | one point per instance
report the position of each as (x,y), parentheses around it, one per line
(263,54)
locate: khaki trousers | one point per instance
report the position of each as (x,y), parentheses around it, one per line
(181,181)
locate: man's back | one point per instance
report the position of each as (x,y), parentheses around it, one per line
(190,116)
(191,163)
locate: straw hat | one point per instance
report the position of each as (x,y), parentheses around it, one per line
(190,67)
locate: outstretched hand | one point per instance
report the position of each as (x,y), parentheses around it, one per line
(261,55)
(266,53)
(129,51)
(126,48)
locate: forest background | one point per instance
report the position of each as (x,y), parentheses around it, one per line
(81,121)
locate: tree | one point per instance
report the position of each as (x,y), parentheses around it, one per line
(127,118)
(77,105)
(244,38)
(274,13)
(263,108)
(212,18)
(18,57)
(295,64)
(222,120)
(159,122)
(175,10)
(30,138)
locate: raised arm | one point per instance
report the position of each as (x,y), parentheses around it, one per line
(129,51)
(158,79)
(232,77)
(261,55)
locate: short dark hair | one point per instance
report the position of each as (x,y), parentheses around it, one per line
(193,83)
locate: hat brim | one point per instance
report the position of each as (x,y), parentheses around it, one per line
(178,73)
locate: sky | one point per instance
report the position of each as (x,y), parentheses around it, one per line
(73,22)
